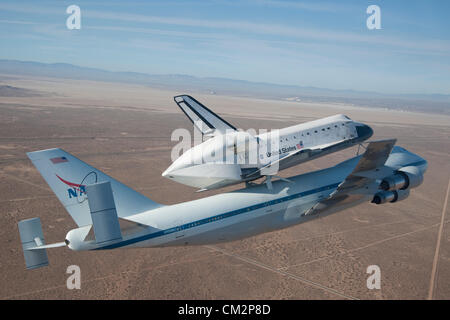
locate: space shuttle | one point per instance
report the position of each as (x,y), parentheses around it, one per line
(230,156)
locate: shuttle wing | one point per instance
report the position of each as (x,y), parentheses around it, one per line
(293,158)
(283,162)
(209,123)
(328,145)
(361,182)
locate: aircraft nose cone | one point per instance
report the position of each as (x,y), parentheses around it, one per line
(173,167)
(167,173)
(364,131)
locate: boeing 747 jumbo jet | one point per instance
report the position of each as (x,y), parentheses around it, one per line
(111,215)
(209,166)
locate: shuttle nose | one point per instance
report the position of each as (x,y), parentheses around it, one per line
(167,172)
(364,131)
(180,163)
(188,159)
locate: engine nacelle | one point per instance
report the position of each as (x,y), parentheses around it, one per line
(390,196)
(404,178)
(395,182)
(414,175)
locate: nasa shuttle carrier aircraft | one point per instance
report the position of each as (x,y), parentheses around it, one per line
(111,215)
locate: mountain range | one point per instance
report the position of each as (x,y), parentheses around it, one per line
(436,103)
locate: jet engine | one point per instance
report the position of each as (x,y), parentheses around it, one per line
(390,196)
(404,178)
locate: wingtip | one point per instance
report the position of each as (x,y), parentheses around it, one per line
(32,154)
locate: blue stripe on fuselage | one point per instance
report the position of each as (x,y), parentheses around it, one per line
(228,214)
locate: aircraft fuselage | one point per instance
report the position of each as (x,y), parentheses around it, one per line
(242,213)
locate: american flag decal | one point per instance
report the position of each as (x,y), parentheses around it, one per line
(58,160)
(300,145)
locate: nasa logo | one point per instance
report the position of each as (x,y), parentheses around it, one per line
(75,189)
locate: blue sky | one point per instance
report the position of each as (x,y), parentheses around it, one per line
(306,43)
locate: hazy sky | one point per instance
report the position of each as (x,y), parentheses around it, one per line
(307,43)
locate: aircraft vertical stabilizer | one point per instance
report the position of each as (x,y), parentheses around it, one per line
(31,236)
(68,177)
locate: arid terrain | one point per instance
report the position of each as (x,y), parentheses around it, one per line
(124,130)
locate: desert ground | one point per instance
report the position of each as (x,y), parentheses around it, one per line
(124,130)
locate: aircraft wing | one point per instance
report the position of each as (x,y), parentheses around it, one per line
(327,145)
(293,158)
(209,123)
(273,167)
(361,182)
